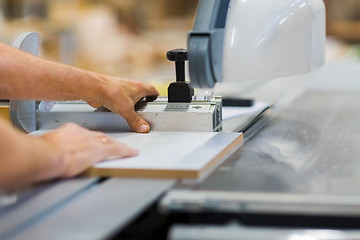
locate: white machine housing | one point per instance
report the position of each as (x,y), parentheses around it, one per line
(268,39)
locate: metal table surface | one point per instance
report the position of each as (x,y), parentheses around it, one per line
(312,146)
(233,232)
(84,208)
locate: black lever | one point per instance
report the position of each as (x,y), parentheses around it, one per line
(179,91)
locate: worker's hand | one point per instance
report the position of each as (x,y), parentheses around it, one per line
(28,77)
(120,96)
(77,148)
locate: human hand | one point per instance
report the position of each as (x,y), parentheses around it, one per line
(120,96)
(78,148)
(29,77)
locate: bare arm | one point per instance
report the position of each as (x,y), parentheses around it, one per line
(23,76)
(71,149)
(64,152)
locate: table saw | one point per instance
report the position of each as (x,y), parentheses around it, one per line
(295,176)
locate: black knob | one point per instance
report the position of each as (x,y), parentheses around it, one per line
(179,56)
(179,91)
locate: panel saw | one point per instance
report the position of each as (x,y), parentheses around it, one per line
(227,44)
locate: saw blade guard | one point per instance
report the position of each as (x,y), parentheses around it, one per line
(259,40)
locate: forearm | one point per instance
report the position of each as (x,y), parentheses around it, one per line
(23,76)
(26,159)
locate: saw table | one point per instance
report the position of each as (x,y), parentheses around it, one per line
(298,176)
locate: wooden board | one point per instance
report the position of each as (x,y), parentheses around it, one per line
(170,154)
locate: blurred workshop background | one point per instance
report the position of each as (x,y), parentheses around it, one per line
(343,29)
(129,38)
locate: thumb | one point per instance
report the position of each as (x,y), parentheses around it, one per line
(136,122)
